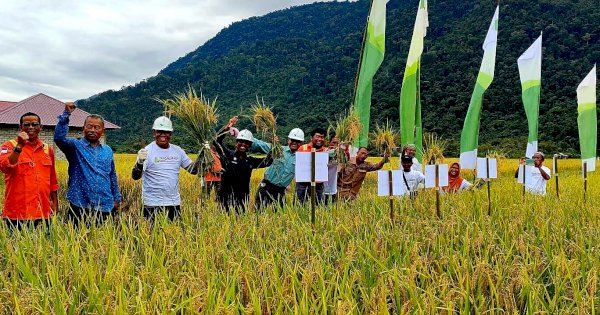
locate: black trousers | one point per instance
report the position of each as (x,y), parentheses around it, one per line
(303,191)
(150,212)
(78,215)
(269,193)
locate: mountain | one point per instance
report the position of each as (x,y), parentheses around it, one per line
(302,61)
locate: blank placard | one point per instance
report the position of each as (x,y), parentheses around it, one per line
(303,167)
(383,183)
(430,175)
(482,168)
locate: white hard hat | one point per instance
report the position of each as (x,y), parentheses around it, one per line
(245,135)
(296,134)
(163,123)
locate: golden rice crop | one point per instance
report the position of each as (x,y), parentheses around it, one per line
(532,255)
(266,125)
(199,117)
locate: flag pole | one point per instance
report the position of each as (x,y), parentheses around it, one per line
(362,48)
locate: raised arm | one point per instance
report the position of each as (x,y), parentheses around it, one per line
(62,129)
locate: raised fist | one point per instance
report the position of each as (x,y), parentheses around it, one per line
(70,107)
(142,156)
(22,138)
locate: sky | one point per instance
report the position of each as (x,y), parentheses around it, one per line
(73,49)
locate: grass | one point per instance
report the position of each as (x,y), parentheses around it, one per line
(531,255)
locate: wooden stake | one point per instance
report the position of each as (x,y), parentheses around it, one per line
(437,191)
(487,174)
(524,182)
(584,182)
(313,186)
(391,195)
(555,162)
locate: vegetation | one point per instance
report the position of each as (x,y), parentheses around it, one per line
(532,255)
(306,70)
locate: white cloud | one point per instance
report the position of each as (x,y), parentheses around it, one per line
(73,49)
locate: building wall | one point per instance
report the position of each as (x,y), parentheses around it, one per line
(47,135)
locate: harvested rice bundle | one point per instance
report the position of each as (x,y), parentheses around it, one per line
(384,139)
(266,125)
(199,117)
(347,129)
(434,149)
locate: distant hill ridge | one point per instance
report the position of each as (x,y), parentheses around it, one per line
(303,62)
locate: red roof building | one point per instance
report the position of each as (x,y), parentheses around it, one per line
(47,108)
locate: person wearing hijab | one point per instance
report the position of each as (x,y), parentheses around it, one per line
(455,182)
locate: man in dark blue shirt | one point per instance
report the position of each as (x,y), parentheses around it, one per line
(93,189)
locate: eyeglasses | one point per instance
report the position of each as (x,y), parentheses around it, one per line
(27,125)
(296,141)
(94,127)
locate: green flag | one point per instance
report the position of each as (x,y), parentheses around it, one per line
(586,120)
(372,56)
(411,129)
(530,71)
(469,138)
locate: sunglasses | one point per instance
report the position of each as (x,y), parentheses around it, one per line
(296,141)
(27,125)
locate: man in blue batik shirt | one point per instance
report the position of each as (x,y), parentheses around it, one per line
(93,189)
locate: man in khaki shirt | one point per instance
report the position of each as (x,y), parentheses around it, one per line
(351,176)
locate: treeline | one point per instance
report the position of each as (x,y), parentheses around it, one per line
(303,61)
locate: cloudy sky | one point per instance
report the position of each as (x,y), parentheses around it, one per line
(72,49)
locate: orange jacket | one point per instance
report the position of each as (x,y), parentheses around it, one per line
(215,174)
(29,181)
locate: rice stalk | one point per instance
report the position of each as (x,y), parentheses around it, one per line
(266,124)
(199,117)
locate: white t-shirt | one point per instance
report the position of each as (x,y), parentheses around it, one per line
(535,183)
(160,178)
(413,179)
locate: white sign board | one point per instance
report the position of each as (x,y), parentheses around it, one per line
(303,167)
(482,168)
(331,184)
(383,184)
(430,175)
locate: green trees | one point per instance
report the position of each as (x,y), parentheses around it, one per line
(303,62)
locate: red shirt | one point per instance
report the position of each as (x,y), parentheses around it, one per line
(29,181)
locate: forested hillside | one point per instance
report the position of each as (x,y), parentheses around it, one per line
(303,62)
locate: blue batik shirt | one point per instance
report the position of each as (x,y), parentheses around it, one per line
(92,175)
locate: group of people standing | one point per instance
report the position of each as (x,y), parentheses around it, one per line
(93,192)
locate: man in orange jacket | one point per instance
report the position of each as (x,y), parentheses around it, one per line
(31,189)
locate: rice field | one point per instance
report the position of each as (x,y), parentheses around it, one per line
(531,255)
